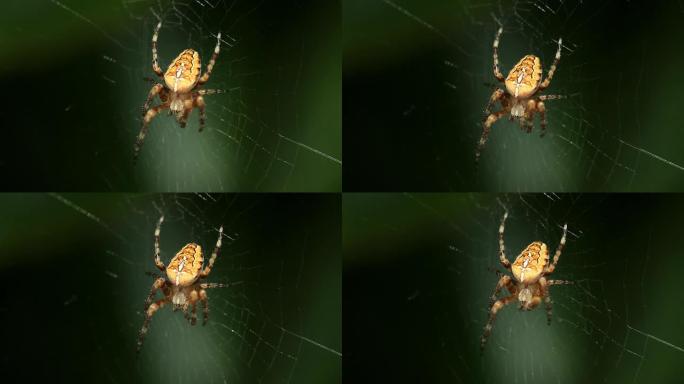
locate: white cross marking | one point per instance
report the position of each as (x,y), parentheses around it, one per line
(519,81)
(179,72)
(180,269)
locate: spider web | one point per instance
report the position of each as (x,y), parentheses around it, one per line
(278,322)
(270,130)
(614,131)
(618,323)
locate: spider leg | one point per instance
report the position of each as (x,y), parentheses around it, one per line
(502,248)
(209,266)
(497,95)
(157,251)
(205,302)
(552,70)
(155,59)
(552,97)
(559,282)
(146,324)
(551,267)
(188,105)
(143,131)
(199,103)
(542,116)
(504,281)
(209,91)
(215,285)
(184,119)
(491,119)
(549,309)
(159,283)
(529,115)
(156,89)
(525,124)
(532,304)
(492,316)
(210,66)
(497,71)
(543,287)
(153,274)
(193,317)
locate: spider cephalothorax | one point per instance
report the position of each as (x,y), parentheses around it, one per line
(182,287)
(180,93)
(518,100)
(529,284)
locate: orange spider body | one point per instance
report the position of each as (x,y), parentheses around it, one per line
(184,71)
(525,77)
(529,265)
(185,267)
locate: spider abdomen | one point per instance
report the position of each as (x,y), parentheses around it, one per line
(185,267)
(525,77)
(183,72)
(529,265)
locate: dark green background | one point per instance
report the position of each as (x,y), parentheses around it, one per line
(416,80)
(419,270)
(73,78)
(73,270)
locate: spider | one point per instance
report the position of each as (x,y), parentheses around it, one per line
(180,93)
(518,100)
(182,285)
(529,284)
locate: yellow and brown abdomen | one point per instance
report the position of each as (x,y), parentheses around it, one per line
(183,72)
(185,267)
(524,78)
(529,265)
